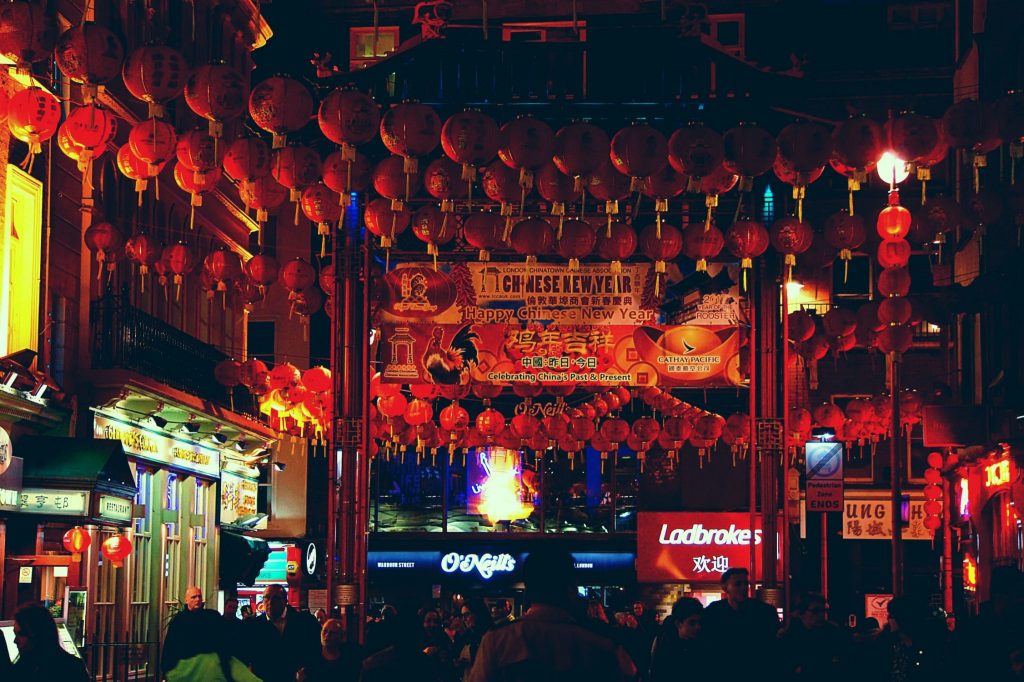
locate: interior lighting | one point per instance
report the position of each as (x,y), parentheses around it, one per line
(892,169)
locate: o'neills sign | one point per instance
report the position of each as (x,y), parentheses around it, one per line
(694,546)
(144,443)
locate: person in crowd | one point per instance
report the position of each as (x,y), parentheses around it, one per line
(501,612)
(738,618)
(193,598)
(476,621)
(998,630)
(230,608)
(812,647)
(246,612)
(40,656)
(635,641)
(198,646)
(547,643)
(380,633)
(434,640)
(321,616)
(910,648)
(680,646)
(339,660)
(283,639)
(645,618)
(402,657)
(233,628)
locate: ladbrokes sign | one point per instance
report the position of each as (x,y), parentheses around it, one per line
(694,547)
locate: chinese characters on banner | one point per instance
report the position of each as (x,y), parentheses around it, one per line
(498,324)
(870,518)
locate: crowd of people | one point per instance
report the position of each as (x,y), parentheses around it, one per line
(560,638)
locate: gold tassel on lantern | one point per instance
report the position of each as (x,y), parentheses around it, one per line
(659,270)
(980,161)
(853,185)
(745,265)
(711,201)
(660,206)
(798,194)
(924,175)
(611,208)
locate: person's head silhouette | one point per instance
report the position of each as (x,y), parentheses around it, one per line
(550,577)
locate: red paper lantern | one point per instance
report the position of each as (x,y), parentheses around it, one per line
(349,117)
(912,136)
(228,373)
(322,206)
(746,239)
(198,152)
(985,207)
(106,241)
(295,168)
(410,129)
(801,326)
(247,160)
(582,428)
(525,426)
(894,310)
(749,152)
(264,195)
(144,252)
(155,74)
(857,143)
(608,185)
(896,339)
(345,176)
(153,141)
(525,144)
(223,267)
(867,317)
(196,184)
(284,376)
(136,169)
(839,322)
(894,253)
(791,237)
(443,180)
(845,233)
(664,185)
(661,248)
(317,379)
(617,246)
(893,220)
(392,405)
(252,372)
(90,128)
(531,237)
(391,180)
(577,241)
(385,222)
(815,348)
(116,549)
(280,105)
(296,276)
(418,412)
(716,183)
(432,226)
(470,139)
(454,418)
(490,422)
(262,270)
(646,429)
(77,541)
(972,125)
(616,430)
(27,33)
(180,261)
(33,117)
(555,187)
(894,282)
(638,151)
(804,147)
(695,151)
(829,416)
(218,93)
(501,183)
(701,244)
(89,54)
(579,150)
(483,231)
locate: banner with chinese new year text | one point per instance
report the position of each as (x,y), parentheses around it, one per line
(636,355)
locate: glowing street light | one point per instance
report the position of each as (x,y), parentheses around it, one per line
(892,169)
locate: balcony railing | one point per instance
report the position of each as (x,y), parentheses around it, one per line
(124,337)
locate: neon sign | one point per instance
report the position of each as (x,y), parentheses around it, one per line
(970,573)
(697,534)
(997,474)
(965,499)
(484,564)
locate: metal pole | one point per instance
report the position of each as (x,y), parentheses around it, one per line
(947,548)
(895,476)
(784,413)
(824,554)
(752,341)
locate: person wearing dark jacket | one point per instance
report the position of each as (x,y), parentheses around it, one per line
(812,648)
(339,660)
(679,645)
(740,622)
(282,640)
(912,646)
(40,656)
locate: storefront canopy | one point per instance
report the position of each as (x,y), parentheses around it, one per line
(77,463)
(241,559)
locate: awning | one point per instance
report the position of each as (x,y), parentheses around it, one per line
(241,559)
(81,477)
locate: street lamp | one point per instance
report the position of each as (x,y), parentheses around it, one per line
(892,169)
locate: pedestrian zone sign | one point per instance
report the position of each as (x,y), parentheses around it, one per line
(824,476)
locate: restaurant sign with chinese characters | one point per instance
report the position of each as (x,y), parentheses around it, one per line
(869,517)
(144,443)
(53,501)
(695,546)
(238,497)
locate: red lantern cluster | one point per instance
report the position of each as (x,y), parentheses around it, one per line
(933,494)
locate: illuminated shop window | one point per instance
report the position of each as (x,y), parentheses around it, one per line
(363,52)
(20,248)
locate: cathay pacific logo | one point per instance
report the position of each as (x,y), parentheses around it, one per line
(697,534)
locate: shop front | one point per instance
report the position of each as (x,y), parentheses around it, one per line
(684,554)
(987,496)
(417,570)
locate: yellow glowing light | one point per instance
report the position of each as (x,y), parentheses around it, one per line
(793,289)
(891,168)
(501,497)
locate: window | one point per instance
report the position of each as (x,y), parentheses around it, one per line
(20,249)
(768,206)
(362,51)
(173,492)
(260,341)
(729,31)
(853,279)
(545,32)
